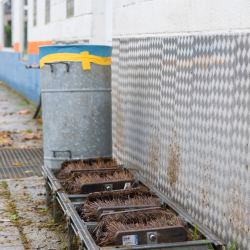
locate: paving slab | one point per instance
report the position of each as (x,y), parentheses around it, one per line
(38,226)
(9,234)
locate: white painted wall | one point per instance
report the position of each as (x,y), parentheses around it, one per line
(18,23)
(59,26)
(88,23)
(172,17)
(92,21)
(108,22)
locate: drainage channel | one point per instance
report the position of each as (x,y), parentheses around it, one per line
(24,162)
(85,230)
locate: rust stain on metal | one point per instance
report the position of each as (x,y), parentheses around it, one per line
(206,185)
(238,211)
(204,60)
(173,162)
(154,154)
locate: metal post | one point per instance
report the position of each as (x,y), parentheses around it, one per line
(71,235)
(56,210)
(48,193)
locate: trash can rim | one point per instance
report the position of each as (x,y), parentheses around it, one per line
(76,45)
(95,50)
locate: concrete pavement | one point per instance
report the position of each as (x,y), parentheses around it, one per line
(16,118)
(25,222)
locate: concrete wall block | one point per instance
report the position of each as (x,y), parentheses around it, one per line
(83,7)
(117,4)
(97,32)
(89,20)
(181,16)
(61,8)
(129,2)
(98,7)
(72,27)
(226,14)
(40,12)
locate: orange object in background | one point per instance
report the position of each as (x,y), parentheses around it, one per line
(16,47)
(23,112)
(17,164)
(33,47)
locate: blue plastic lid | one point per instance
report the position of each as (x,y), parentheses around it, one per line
(95,50)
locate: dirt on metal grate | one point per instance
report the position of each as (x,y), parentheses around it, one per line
(20,162)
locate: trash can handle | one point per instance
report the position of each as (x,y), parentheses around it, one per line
(52,68)
(54,152)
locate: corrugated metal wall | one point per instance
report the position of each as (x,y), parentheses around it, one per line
(181,115)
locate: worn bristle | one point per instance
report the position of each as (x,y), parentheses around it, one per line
(121,194)
(84,164)
(73,187)
(88,211)
(104,234)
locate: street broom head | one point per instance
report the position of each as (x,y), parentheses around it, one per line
(121,194)
(129,197)
(104,234)
(73,185)
(64,171)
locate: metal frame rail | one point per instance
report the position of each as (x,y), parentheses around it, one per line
(76,226)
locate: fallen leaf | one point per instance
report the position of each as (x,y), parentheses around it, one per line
(3,114)
(4,141)
(17,164)
(5,134)
(29,137)
(27,133)
(40,120)
(4,220)
(23,112)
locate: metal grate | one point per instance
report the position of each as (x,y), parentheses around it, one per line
(30,160)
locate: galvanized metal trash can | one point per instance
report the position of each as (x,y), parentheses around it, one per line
(76,102)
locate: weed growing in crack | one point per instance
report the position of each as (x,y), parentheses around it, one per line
(15,217)
(44,210)
(21,103)
(11,207)
(4,184)
(195,232)
(224,248)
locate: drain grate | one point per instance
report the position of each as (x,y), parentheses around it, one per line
(30,159)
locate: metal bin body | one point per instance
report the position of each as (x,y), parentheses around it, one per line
(76,106)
